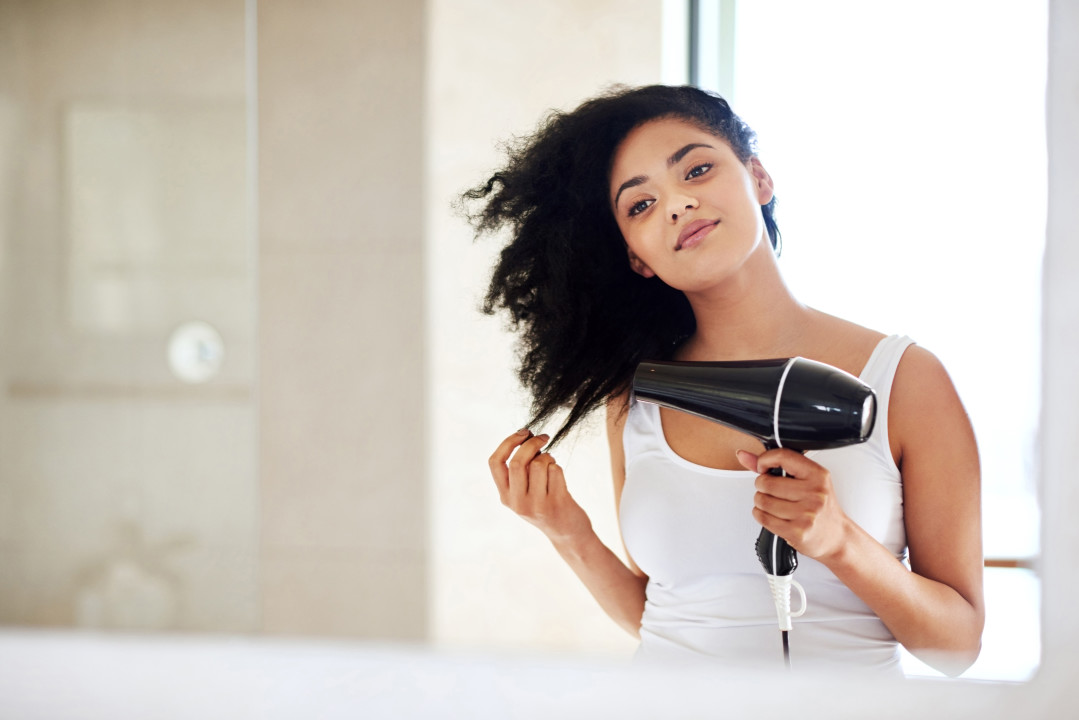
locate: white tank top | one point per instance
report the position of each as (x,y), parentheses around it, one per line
(690,529)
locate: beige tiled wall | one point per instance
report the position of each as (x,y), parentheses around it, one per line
(341,449)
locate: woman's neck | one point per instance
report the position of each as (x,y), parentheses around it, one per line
(751,316)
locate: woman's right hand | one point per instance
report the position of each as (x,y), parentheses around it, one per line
(532,484)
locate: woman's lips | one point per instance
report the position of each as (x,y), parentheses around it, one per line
(693,233)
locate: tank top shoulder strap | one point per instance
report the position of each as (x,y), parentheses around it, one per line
(880,369)
(879,373)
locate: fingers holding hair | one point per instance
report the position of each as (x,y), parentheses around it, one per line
(498,459)
(518,470)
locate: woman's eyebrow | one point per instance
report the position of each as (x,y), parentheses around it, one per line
(632,182)
(682,153)
(671,161)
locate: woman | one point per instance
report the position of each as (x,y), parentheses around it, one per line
(642,227)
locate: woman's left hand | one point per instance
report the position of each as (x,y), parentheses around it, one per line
(801,508)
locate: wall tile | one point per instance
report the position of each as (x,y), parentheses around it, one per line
(342,401)
(341,153)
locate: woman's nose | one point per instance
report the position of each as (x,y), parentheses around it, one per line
(679,205)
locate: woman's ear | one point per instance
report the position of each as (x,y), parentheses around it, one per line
(638,266)
(763,181)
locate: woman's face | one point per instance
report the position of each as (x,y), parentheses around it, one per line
(688,208)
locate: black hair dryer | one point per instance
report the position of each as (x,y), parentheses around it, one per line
(793,403)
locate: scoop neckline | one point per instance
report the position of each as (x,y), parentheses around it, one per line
(657,418)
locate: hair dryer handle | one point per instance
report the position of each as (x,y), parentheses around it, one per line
(777,557)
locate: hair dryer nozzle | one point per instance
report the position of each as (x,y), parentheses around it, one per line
(823,407)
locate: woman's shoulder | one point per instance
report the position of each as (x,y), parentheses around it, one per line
(921,374)
(925,409)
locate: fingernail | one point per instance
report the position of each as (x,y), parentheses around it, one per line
(524,431)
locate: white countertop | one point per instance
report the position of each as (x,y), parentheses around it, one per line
(65,675)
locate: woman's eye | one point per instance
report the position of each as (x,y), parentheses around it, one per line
(639,207)
(698,170)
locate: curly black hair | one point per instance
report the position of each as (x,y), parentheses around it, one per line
(584,318)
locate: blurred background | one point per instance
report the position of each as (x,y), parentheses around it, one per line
(244,386)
